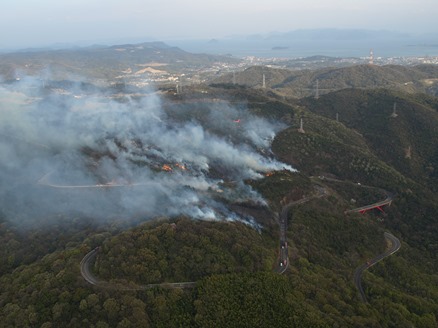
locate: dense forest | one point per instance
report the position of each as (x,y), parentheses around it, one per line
(342,164)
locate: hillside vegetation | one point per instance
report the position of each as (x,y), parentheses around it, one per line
(405,139)
(103,62)
(302,83)
(356,160)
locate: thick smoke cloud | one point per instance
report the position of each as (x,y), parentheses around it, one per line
(66,153)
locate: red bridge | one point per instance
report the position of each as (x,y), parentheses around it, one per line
(378,205)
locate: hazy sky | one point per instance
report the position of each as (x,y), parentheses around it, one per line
(38,22)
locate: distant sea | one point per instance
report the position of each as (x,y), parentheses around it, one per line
(302,48)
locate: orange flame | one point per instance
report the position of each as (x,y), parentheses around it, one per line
(166,168)
(181,166)
(269,174)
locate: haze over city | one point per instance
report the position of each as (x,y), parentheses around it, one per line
(45,22)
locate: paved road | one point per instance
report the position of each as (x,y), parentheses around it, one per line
(386,201)
(282,263)
(85,267)
(43,182)
(389,196)
(86,273)
(395,246)
(283,259)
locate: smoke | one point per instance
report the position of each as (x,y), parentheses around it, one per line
(67,153)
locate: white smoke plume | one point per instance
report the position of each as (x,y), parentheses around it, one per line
(66,153)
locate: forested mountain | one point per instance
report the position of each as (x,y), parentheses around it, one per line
(400,128)
(103,62)
(303,83)
(344,161)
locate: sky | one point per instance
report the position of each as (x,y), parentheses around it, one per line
(44,22)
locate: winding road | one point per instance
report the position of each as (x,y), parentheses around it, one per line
(283,260)
(395,243)
(387,201)
(86,273)
(395,246)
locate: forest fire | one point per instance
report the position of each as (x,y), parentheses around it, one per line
(181,166)
(269,174)
(166,168)
(163,151)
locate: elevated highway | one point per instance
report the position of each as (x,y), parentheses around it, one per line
(377,205)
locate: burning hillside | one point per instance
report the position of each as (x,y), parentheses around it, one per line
(149,161)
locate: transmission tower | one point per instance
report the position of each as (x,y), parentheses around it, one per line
(371,62)
(301,129)
(408,152)
(317,90)
(394,111)
(181,85)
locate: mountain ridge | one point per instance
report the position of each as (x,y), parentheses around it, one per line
(302,83)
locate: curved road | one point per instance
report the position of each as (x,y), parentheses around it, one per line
(395,246)
(283,260)
(395,243)
(85,267)
(91,279)
(282,263)
(386,201)
(42,181)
